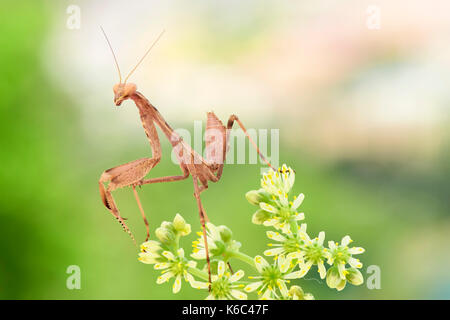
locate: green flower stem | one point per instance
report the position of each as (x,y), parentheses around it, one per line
(176,242)
(245,258)
(198,273)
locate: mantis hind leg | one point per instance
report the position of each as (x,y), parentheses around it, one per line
(217,137)
(233,118)
(203,218)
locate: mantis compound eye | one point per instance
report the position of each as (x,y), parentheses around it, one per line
(129,89)
(123,91)
(116,88)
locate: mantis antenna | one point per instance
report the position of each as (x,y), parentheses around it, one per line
(142,59)
(114,56)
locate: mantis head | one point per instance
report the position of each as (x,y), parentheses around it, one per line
(123,91)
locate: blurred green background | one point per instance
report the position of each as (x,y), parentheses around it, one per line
(363,118)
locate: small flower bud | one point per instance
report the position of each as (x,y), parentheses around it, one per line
(179,223)
(297,292)
(354,276)
(260,216)
(166,225)
(164,235)
(341,285)
(186,230)
(225,233)
(333,277)
(254,197)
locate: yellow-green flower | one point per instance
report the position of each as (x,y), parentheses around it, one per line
(171,265)
(341,254)
(224,286)
(281,180)
(279,217)
(285,245)
(272,279)
(313,253)
(176,266)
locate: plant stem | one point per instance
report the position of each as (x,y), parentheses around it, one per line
(198,273)
(245,258)
(176,242)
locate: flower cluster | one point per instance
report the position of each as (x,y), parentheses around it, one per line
(165,254)
(275,208)
(292,251)
(293,244)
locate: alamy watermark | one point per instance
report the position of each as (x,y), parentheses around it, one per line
(373,20)
(226,146)
(74,19)
(374,278)
(73,281)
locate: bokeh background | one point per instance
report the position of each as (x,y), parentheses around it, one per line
(363,117)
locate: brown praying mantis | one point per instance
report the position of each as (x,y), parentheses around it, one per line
(202,170)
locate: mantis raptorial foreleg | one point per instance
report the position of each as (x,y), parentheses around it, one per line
(109,202)
(121,176)
(130,174)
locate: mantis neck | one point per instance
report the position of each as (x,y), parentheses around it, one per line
(149,113)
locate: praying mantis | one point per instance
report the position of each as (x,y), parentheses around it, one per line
(202,170)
